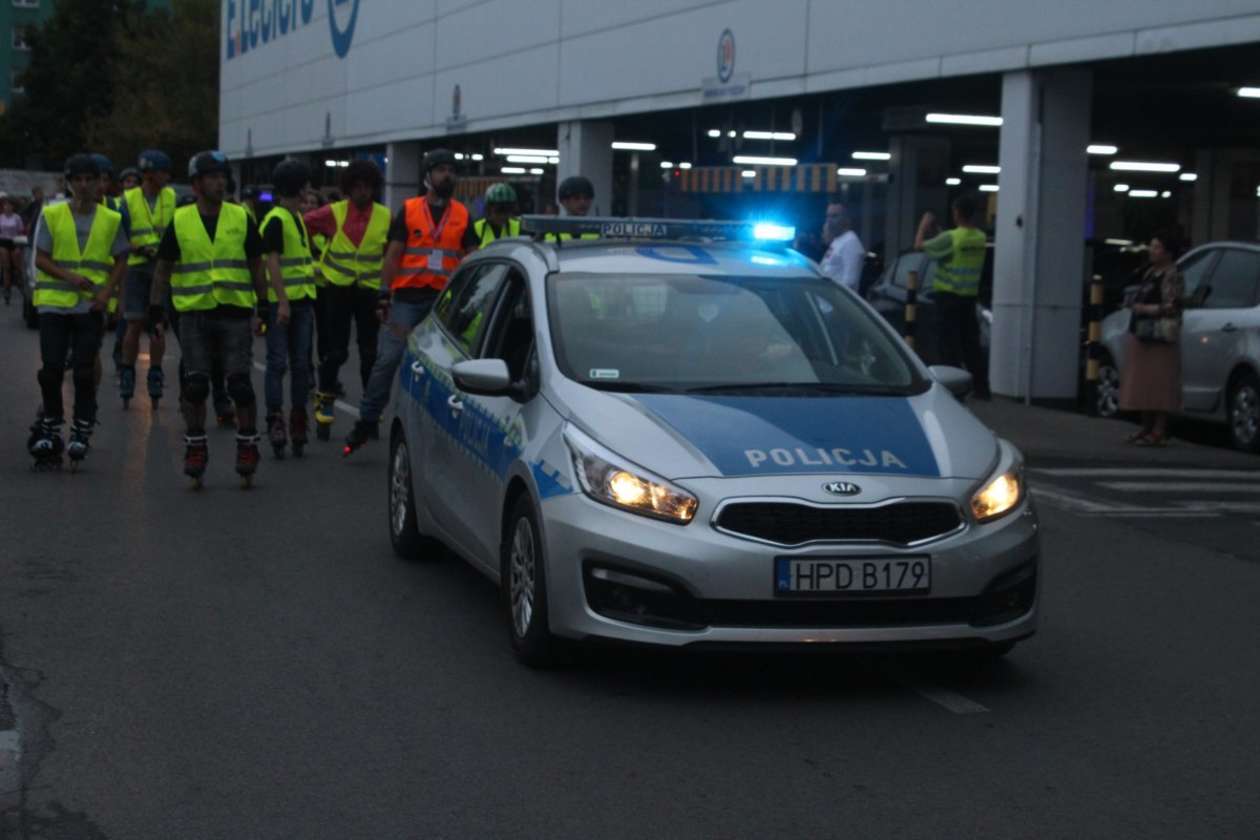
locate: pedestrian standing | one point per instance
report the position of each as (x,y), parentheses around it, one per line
(80,258)
(210,261)
(959,254)
(844,257)
(427,239)
(10,254)
(151,208)
(290,307)
(1151,380)
(357,230)
(577,195)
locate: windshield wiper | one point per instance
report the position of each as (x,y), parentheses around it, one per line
(627,387)
(812,387)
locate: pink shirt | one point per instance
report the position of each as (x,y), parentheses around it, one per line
(321,221)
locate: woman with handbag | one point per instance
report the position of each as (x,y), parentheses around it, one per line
(1151,380)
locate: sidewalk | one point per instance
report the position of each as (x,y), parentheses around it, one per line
(1046,434)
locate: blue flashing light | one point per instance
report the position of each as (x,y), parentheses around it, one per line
(770,232)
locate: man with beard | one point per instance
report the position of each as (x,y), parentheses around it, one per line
(428,238)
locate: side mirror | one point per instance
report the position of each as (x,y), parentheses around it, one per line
(957,380)
(483,377)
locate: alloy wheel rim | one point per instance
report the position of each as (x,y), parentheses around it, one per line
(1246,419)
(400,476)
(521,574)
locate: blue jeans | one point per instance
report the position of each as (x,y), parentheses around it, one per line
(289,351)
(390,344)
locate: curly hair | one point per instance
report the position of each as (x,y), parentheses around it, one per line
(360,172)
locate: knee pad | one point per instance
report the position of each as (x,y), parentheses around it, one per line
(196,387)
(240,388)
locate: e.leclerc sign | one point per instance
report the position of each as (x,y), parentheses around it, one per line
(255,23)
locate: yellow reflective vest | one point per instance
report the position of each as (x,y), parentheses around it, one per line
(94,262)
(959,273)
(147,226)
(211,274)
(297,269)
(485,233)
(343,263)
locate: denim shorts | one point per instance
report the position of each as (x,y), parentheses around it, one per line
(136,288)
(205,335)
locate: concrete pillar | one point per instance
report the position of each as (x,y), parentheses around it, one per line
(1039,269)
(916,184)
(586,149)
(402,172)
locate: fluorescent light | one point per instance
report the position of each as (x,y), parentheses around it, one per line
(1101,149)
(459,156)
(1143,193)
(553,160)
(953,182)
(684,165)
(513,170)
(978,169)
(1188,176)
(533,152)
(330,163)
(851,172)
(667,164)
(872,155)
(748,173)
(963,119)
(714,133)
(536,171)
(1123,243)
(474,157)
(1166,194)
(528,159)
(634,147)
(1249,92)
(1257,192)
(988,188)
(1121,188)
(754,160)
(344,164)
(1143,166)
(731,135)
(769,135)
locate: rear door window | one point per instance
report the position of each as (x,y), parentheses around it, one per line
(1234,280)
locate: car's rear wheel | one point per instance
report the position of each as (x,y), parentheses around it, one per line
(524,588)
(404,533)
(1244,413)
(1107,399)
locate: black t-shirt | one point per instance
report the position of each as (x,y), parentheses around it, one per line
(168,250)
(398,231)
(273,234)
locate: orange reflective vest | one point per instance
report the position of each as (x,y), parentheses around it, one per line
(433,250)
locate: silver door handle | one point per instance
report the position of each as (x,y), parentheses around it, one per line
(1229,328)
(417,368)
(455,404)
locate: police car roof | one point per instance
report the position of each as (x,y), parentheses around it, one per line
(629,256)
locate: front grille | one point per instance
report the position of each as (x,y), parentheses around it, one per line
(789,523)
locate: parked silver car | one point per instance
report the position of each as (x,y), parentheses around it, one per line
(681,442)
(1220,341)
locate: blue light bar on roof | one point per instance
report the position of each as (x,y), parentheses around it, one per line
(607,227)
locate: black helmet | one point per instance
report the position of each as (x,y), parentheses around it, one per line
(576,185)
(129,172)
(290,176)
(154,160)
(206,163)
(82,164)
(437,157)
(360,172)
(104,164)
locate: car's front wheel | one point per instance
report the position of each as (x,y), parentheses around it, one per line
(524,587)
(404,533)
(1244,413)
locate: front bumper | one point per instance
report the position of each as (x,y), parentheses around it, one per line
(616,576)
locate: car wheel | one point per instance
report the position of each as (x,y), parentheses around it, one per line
(1244,413)
(524,588)
(404,534)
(1107,400)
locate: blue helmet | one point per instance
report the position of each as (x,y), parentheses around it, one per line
(104,164)
(82,164)
(154,160)
(204,163)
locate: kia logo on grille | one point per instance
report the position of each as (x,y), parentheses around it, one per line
(842,488)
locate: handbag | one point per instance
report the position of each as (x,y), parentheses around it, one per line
(1157,330)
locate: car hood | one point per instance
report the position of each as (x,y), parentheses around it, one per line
(680,436)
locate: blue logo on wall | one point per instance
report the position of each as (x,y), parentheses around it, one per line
(253,23)
(726,56)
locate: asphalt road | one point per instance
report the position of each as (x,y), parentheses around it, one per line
(256,664)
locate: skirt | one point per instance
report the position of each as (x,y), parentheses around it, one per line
(1151,379)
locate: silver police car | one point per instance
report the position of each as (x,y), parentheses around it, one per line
(682,434)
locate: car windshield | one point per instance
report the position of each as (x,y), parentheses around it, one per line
(721,333)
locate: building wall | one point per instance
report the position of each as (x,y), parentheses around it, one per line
(286,85)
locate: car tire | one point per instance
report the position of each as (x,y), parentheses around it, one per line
(1107,398)
(524,588)
(1244,412)
(404,533)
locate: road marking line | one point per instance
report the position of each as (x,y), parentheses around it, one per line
(1075,503)
(1147,472)
(949,700)
(342,404)
(1204,487)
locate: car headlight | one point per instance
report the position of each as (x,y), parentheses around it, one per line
(1000,496)
(607,479)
